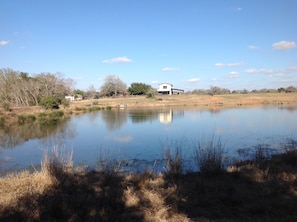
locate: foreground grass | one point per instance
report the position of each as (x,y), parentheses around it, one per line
(258,190)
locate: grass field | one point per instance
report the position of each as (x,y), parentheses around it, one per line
(228,100)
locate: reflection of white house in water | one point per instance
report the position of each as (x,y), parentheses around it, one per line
(166,116)
(167,89)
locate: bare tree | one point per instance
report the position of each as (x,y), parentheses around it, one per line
(18,89)
(53,85)
(113,85)
(91,92)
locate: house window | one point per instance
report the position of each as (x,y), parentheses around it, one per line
(164,87)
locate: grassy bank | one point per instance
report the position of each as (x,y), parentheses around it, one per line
(263,188)
(213,103)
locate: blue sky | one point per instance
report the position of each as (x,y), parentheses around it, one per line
(193,44)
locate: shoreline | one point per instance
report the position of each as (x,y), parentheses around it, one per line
(213,103)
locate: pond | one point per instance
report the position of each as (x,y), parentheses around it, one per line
(140,137)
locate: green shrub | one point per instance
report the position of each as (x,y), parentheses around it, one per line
(42,115)
(150,95)
(108,108)
(95,103)
(22,119)
(65,103)
(91,109)
(56,114)
(31,118)
(50,102)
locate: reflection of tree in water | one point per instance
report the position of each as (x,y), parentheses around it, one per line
(291,108)
(18,134)
(57,135)
(140,116)
(114,119)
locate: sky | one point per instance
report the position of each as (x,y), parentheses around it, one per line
(192,44)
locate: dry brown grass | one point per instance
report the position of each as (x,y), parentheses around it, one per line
(15,186)
(228,100)
(262,190)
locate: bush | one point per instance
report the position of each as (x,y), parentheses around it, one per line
(31,118)
(65,103)
(150,95)
(57,163)
(210,157)
(50,102)
(42,115)
(95,103)
(6,106)
(56,114)
(174,162)
(21,119)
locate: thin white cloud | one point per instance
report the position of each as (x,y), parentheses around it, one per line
(233,75)
(193,80)
(277,74)
(253,47)
(4,42)
(155,82)
(220,65)
(238,9)
(169,69)
(122,59)
(266,71)
(284,45)
(269,72)
(292,69)
(263,71)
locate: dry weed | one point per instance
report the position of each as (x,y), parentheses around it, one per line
(15,186)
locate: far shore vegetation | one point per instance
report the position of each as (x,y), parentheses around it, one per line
(23,98)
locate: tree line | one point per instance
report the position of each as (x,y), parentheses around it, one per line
(19,89)
(49,90)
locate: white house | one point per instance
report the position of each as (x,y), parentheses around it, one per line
(69,98)
(75,97)
(167,88)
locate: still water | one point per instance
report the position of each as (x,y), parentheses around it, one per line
(141,136)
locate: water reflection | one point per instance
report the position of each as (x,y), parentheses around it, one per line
(16,135)
(166,116)
(114,119)
(138,134)
(141,116)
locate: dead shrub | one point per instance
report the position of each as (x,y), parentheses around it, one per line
(57,163)
(210,157)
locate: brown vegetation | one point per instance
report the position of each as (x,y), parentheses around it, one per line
(262,189)
(213,103)
(201,101)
